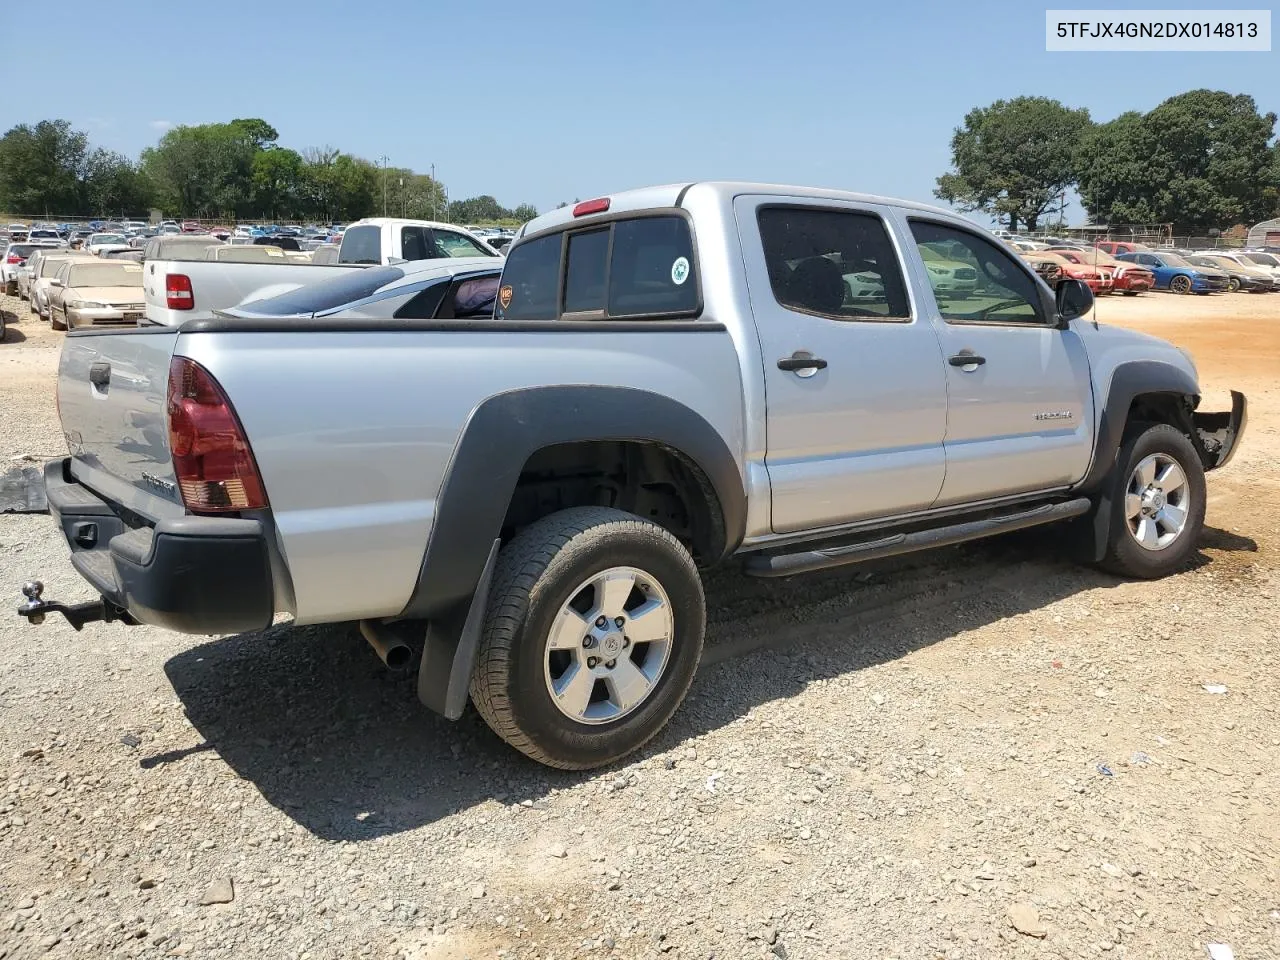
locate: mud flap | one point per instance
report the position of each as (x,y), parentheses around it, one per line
(1219,433)
(449,657)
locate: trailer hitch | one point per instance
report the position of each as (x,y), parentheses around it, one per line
(77,614)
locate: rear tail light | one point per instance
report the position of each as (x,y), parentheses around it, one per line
(14,258)
(177,292)
(211,457)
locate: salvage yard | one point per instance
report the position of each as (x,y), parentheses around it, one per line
(983,752)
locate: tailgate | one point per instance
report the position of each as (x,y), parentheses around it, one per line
(112,386)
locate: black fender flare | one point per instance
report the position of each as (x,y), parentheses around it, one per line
(499,437)
(1129,381)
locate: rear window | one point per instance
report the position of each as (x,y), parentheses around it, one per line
(105,275)
(327,294)
(639,267)
(361,245)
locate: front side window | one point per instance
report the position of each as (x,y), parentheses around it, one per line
(833,263)
(998,289)
(450,244)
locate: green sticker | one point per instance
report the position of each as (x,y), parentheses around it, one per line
(680,271)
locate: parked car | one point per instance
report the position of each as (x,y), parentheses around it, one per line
(180,246)
(1127,278)
(45,235)
(43,267)
(1175,274)
(1241,274)
(384,240)
(1262,258)
(15,258)
(181,289)
(1098,279)
(954,278)
(1117,247)
(101,242)
(441,479)
(95,293)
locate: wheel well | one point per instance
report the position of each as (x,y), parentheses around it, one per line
(648,479)
(1172,408)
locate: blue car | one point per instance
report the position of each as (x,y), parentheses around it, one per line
(1177,275)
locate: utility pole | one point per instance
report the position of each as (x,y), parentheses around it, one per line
(404,201)
(435,193)
(385,161)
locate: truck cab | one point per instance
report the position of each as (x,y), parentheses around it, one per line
(383,240)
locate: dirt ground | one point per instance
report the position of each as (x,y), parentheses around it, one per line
(983,752)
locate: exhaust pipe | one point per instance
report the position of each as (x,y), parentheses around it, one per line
(392,648)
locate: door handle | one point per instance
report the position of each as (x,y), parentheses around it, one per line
(802,360)
(967,359)
(100,374)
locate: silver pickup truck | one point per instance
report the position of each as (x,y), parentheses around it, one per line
(672,378)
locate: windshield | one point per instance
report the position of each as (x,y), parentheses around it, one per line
(1266,259)
(105,275)
(1173,260)
(23,249)
(107,238)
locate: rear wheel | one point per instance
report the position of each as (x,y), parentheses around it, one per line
(594,631)
(1180,284)
(1233,285)
(1158,501)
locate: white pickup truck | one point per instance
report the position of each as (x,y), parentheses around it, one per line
(384,240)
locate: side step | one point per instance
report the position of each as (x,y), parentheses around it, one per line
(787,564)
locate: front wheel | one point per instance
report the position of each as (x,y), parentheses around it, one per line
(1233,285)
(593,633)
(1158,500)
(1180,284)
(55,322)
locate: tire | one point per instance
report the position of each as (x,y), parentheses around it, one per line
(544,576)
(53,320)
(1161,445)
(1233,285)
(1131,293)
(1181,284)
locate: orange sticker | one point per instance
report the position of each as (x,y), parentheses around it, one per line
(504,296)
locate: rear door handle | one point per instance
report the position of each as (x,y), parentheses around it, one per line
(100,374)
(802,360)
(967,359)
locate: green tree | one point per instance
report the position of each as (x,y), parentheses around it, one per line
(42,168)
(476,209)
(114,185)
(278,183)
(1013,159)
(1200,160)
(526,211)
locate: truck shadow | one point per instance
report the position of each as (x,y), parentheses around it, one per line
(329,737)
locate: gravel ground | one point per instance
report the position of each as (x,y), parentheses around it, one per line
(981,752)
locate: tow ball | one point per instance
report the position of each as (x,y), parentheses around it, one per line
(78,614)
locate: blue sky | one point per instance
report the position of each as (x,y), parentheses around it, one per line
(547,101)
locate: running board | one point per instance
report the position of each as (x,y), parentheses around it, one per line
(787,564)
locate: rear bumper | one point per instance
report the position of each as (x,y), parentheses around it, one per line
(202,575)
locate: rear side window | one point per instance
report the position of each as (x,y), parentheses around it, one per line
(833,263)
(362,245)
(631,268)
(450,244)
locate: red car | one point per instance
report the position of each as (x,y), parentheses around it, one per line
(191,226)
(1097,279)
(1114,247)
(1127,278)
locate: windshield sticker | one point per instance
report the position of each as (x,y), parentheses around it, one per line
(504,296)
(680,271)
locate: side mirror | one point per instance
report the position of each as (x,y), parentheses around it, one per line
(1074,299)
(55,282)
